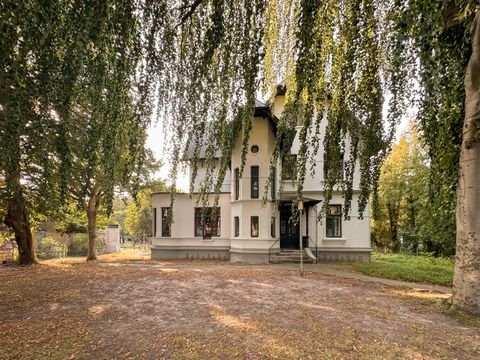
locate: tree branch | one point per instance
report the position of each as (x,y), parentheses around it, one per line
(190,12)
(453,14)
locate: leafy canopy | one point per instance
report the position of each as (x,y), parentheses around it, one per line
(361,61)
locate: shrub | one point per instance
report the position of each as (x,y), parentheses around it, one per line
(51,248)
(72,228)
(79,246)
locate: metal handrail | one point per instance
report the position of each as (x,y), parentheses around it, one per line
(270,250)
(316,248)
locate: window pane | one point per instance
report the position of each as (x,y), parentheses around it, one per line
(341,168)
(334,221)
(272,227)
(334,210)
(166,221)
(237,183)
(289,164)
(254,226)
(255,182)
(237,226)
(207,222)
(154,221)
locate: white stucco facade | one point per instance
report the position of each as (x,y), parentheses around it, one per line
(263,228)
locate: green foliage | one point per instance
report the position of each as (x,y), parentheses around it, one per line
(426,269)
(79,245)
(138,220)
(120,206)
(74,220)
(51,248)
(440,34)
(77,82)
(74,104)
(405,217)
(354,60)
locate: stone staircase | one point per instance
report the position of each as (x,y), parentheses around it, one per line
(290,256)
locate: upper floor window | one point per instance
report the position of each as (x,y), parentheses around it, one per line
(166,221)
(273,187)
(334,221)
(237,183)
(289,165)
(255,182)
(207,222)
(340,168)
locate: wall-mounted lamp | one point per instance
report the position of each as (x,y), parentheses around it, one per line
(300,204)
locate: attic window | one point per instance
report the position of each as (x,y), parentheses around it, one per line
(254,149)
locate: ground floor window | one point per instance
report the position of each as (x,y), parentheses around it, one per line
(207,222)
(272,227)
(154,230)
(254,226)
(334,221)
(236,221)
(166,221)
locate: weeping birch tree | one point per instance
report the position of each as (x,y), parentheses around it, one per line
(361,61)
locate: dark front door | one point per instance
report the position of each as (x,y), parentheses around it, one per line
(289,234)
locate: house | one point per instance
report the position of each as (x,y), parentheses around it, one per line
(244,228)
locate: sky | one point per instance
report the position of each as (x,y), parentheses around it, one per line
(156,141)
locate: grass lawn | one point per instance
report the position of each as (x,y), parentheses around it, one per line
(128,307)
(409,268)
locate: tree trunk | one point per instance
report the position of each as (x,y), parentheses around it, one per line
(393,214)
(466,282)
(17,219)
(92,227)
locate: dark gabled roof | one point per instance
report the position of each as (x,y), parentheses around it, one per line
(261,110)
(202,150)
(260,105)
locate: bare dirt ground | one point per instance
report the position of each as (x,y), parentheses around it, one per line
(130,308)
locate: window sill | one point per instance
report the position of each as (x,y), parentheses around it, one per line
(334,239)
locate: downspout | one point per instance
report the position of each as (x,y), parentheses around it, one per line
(306,227)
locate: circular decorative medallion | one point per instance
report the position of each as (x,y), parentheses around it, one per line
(254,149)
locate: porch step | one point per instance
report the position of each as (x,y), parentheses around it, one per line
(290,256)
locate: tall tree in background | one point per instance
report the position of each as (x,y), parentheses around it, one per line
(139,219)
(403,217)
(28,126)
(106,125)
(392,193)
(62,61)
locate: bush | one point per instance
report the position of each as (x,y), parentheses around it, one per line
(79,246)
(72,228)
(51,248)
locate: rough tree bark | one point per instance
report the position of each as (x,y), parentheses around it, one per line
(466,282)
(92,226)
(18,220)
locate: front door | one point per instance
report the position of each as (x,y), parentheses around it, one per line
(289,234)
